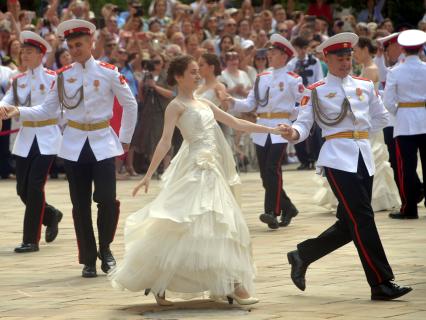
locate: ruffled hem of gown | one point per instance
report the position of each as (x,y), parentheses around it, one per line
(180,257)
(193,237)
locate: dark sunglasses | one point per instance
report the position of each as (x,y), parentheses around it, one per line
(231,55)
(282,30)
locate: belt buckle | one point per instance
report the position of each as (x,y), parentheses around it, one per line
(86,126)
(356,134)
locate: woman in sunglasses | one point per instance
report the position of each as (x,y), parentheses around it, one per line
(260,60)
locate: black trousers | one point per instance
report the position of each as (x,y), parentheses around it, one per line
(391,144)
(308,150)
(355,223)
(5,155)
(270,158)
(31,175)
(406,150)
(302,152)
(81,174)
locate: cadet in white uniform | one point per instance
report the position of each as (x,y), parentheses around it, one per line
(394,56)
(273,98)
(5,167)
(405,97)
(86,89)
(346,108)
(36,144)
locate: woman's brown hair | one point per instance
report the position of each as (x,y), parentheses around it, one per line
(178,67)
(212,60)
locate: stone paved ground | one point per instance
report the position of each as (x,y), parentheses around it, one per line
(48,285)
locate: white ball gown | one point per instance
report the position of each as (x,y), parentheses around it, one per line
(192,237)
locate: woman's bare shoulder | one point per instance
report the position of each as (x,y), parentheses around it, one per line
(219,86)
(176,106)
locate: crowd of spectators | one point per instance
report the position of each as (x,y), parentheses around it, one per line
(141,44)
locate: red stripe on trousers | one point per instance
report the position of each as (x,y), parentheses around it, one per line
(280,184)
(348,210)
(44,204)
(76,236)
(400,169)
(117,207)
(8,132)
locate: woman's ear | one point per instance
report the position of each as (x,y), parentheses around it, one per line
(178,78)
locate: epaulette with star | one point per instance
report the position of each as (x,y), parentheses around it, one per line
(263,73)
(316,84)
(65,68)
(51,72)
(107,65)
(18,76)
(360,78)
(293,74)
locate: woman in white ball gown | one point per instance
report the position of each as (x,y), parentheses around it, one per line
(193,237)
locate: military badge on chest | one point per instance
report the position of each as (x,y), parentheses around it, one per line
(96,84)
(359,93)
(281,86)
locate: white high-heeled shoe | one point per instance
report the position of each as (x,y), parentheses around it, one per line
(241,301)
(161,301)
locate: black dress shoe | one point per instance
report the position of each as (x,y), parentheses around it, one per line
(303,166)
(89,271)
(388,291)
(270,219)
(52,230)
(108,261)
(420,197)
(399,215)
(298,269)
(287,216)
(27,247)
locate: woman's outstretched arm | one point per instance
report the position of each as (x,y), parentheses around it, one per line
(172,114)
(239,124)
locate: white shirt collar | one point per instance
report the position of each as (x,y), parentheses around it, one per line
(87,65)
(334,79)
(36,71)
(280,70)
(412,58)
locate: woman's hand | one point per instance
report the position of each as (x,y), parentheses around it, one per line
(150,83)
(144,182)
(287,132)
(276,130)
(225,99)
